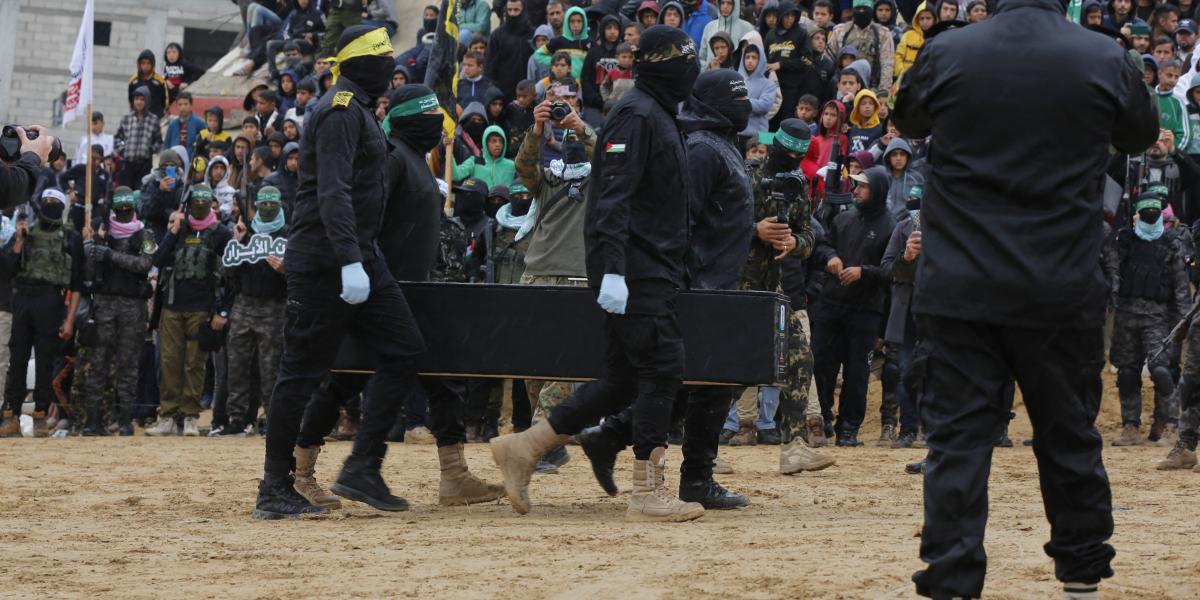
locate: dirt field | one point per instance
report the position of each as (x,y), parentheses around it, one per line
(156,518)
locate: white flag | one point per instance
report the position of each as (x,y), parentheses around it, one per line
(79,90)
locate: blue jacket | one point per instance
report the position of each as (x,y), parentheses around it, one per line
(694,25)
(195,125)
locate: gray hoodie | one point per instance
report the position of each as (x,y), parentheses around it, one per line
(223,192)
(898,192)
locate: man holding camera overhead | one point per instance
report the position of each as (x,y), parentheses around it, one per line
(20,158)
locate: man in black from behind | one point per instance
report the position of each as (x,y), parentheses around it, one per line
(1009,281)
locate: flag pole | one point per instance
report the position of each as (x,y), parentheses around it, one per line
(448,159)
(90,173)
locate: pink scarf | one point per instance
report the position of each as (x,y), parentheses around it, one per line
(201,225)
(121,230)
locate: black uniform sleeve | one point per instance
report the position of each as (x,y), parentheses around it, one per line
(623,161)
(75,247)
(10,262)
(705,168)
(165,255)
(826,249)
(138,264)
(337,143)
(911,115)
(17,180)
(1136,126)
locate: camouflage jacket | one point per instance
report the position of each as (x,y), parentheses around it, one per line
(762,271)
(452,249)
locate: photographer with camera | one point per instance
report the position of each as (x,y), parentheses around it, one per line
(562,98)
(23,151)
(556,252)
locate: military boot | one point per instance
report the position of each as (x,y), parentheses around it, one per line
(10,426)
(1156,431)
(650,500)
(278,499)
(1169,436)
(306,479)
(1178,458)
(887,436)
(746,435)
(602,451)
(361,481)
(710,494)
(816,432)
(459,486)
(516,454)
(1130,436)
(41,427)
(797,457)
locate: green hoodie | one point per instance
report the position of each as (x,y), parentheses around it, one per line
(575,45)
(492,171)
(1173,116)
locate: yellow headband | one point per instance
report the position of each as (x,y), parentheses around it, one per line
(374,43)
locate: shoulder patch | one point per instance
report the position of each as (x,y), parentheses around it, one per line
(342,99)
(148,246)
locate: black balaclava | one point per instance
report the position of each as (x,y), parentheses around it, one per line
(468,205)
(421,131)
(863,17)
(779,158)
(371,73)
(474,125)
(724,91)
(666,65)
(573,151)
(520,203)
(50,208)
(497,197)
(428,25)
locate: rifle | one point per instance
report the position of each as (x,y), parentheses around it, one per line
(1135,170)
(164,277)
(1179,330)
(835,199)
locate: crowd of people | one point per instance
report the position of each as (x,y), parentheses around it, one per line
(134,320)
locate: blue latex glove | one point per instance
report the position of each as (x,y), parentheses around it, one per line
(613,294)
(356,286)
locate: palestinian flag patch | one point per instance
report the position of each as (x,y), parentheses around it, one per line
(612,148)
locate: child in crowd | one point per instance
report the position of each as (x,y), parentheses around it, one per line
(618,80)
(517,117)
(472,84)
(1171,111)
(755,150)
(913,40)
(560,66)
(865,126)
(806,110)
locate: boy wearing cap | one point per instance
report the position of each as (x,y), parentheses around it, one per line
(254,297)
(119,253)
(189,263)
(45,262)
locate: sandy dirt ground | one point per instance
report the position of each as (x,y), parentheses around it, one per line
(163,518)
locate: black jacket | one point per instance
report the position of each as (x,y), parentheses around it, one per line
(508,50)
(790,48)
(156,205)
(412,219)
(636,223)
(799,276)
(285,181)
(601,57)
(722,206)
(1007,239)
(18,180)
(859,238)
(256,281)
(340,192)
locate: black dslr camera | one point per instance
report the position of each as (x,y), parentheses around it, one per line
(787,186)
(559,110)
(10,144)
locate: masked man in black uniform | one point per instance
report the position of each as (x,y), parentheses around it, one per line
(636,236)
(1009,283)
(339,283)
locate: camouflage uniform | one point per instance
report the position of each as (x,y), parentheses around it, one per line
(1148,283)
(255,338)
(762,273)
(119,309)
(1188,392)
(507,256)
(450,266)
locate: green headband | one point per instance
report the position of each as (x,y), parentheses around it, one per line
(267,195)
(1147,203)
(408,108)
(792,143)
(517,188)
(862,3)
(201,194)
(123,198)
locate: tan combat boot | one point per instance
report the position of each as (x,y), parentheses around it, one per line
(41,427)
(306,479)
(1130,436)
(1169,436)
(650,500)
(11,425)
(796,456)
(1178,458)
(745,435)
(816,432)
(459,486)
(517,453)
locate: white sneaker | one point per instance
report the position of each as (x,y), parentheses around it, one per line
(190,428)
(164,426)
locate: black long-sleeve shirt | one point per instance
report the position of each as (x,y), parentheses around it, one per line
(192,295)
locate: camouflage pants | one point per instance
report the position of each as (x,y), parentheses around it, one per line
(1135,337)
(121,329)
(255,337)
(545,395)
(1188,391)
(794,393)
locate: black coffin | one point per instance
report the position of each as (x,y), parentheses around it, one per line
(556,333)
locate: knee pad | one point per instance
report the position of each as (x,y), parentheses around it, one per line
(889,376)
(1129,380)
(1164,380)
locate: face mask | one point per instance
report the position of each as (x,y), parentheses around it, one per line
(429,24)
(268,212)
(862,17)
(372,73)
(1148,231)
(778,161)
(51,214)
(1150,216)
(199,210)
(475,129)
(123,214)
(520,205)
(739,115)
(423,132)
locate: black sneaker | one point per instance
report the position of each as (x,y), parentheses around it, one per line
(603,455)
(848,439)
(278,499)
(125,429)
(489,431)
(915,468)
(726,435)
(231,430)
(768,437)
(905,440)
(1004,442)
(1027,442)
(360,481)
(710,495)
